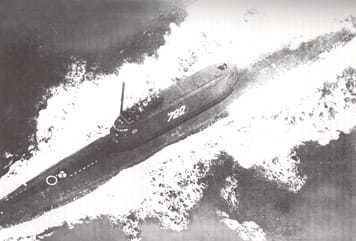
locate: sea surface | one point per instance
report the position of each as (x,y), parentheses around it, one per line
(280,167)
(321,210)
(41,39)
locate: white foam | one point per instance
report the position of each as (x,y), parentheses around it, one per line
(247,231)
(213,32)
(253,134)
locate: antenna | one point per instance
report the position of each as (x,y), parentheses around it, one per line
(122,96)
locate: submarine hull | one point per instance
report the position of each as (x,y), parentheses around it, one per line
(94,165)
(182,101)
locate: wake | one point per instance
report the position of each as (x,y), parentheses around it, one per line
(289,98)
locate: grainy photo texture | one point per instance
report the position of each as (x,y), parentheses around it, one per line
(177,120)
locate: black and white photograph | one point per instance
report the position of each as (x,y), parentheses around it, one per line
(177,120)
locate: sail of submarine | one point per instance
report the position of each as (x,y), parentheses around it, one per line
(165,110)
(135,135)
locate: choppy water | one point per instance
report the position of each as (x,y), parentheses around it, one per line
(320,211)
(40,40)
(307,93)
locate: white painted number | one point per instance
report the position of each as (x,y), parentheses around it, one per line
(176,113)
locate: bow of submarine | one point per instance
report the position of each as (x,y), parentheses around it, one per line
(54,186)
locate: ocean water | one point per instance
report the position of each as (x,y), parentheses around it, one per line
(321,210)
(251,175)
(40,40)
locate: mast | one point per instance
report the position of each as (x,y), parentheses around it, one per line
(122,97)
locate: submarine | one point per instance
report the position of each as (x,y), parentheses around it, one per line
(160,119)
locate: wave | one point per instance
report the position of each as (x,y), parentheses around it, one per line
(275,112)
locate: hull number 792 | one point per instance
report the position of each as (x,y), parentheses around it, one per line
(176,113)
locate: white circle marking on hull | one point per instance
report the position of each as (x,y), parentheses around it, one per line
(51,182)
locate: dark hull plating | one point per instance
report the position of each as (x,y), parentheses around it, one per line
(101,160)
(182,101)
